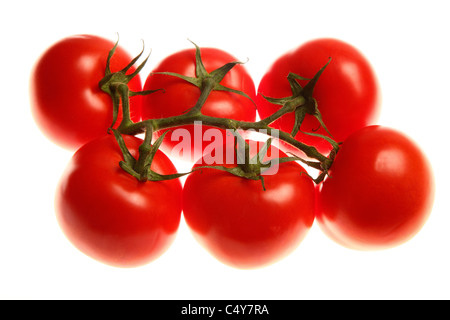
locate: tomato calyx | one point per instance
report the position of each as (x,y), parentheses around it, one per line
(301,102)
(207,81)
(246,167)
(115,84)
(141,168)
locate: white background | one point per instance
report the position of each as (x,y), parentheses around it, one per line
(406,41)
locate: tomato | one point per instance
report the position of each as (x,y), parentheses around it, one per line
(180,96)
(111,216)
(66,101)
(241,224)
(347,91)
(380,190)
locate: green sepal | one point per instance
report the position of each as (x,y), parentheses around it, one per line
(318,116)
(132,62)
(200,70)
(309,87)
(127,157)
(219,87)
(222,71)
(154,176)
(259,157)
(333,143)
(194,81)
(110,55)
(144,92)
(279,101)
(300,114)
(129,162)
(292,75)
(153,149)
(296,88)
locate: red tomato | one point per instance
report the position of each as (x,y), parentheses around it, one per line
(66,101)
(111,216)
(380,192)
(242,225)
(347,92)
(180,96)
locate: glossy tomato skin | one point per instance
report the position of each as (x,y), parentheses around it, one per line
(66,101)
(180,96)
(347,92)
(380,192)
(111,216)
(242,225)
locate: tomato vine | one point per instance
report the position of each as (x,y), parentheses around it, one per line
(301,103)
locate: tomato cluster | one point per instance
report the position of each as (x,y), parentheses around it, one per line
(249,203)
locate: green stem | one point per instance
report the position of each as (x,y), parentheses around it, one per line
(127,126)
(207,87)
(145,149)
(117,86)
(124,92)
(189,118)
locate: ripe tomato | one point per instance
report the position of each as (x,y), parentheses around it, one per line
(242,225)
(380,192)
(347,92)
(180,96)
(66,101)
(111,216)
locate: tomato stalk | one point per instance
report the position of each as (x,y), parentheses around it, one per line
(301,103)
